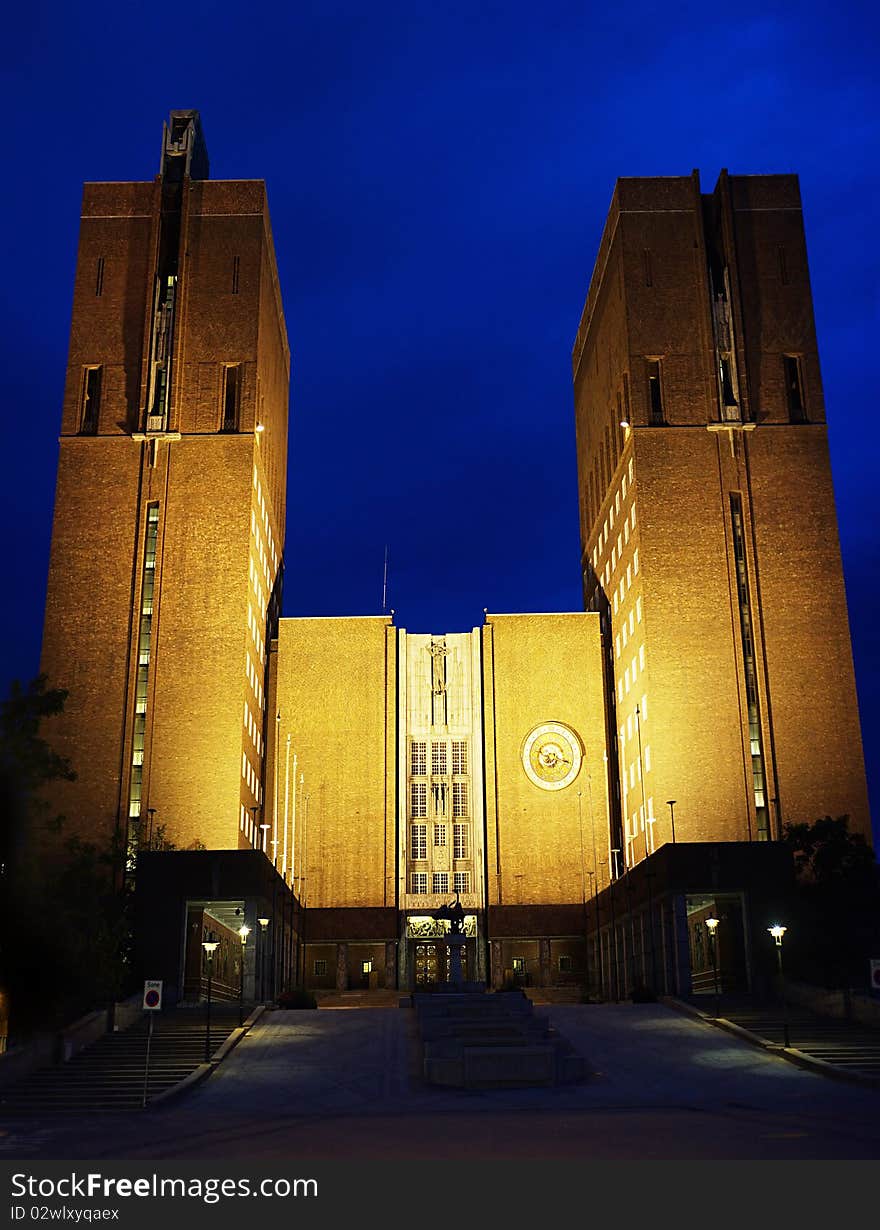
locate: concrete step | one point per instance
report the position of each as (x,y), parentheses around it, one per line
(109,1075)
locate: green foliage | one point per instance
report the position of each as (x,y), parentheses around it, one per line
(68,941)
(64,919)
(838,928)
(27,763)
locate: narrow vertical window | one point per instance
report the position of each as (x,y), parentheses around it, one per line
(91,400)
(655,393)
(142,683)
(99,278)
(236,264)
(749,668)
(793,391)
(783,265)
(231,396)
(725,376)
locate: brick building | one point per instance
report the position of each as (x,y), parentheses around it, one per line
(525,766)
(169,521)
(708,526)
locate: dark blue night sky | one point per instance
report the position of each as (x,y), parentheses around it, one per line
(438,178)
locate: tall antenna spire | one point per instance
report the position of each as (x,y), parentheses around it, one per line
(385,583)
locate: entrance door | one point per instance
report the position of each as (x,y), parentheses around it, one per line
(431,962)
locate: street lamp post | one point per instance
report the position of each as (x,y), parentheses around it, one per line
(210,947)
(264,829)
(243,932)
(712,927)
(778,932)
(264,923)
(670,803)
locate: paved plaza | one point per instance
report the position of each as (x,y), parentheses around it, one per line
(346,1084)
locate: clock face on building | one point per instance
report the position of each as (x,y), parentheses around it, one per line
(552,755)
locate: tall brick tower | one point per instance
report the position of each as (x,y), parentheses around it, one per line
(708,526)
(168,535)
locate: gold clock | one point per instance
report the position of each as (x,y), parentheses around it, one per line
(552,755)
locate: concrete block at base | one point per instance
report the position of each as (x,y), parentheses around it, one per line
(445,1070)
(511,1065)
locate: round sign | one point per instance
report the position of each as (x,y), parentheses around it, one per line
(151,999)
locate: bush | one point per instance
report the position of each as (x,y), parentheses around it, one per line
(297,997)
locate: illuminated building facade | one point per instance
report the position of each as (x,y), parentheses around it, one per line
(344,778)
(168,535)
(708,527)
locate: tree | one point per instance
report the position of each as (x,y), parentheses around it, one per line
(27,764)
(64,927)
(839,893)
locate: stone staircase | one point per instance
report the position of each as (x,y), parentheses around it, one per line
(492,1041)
(847,1046)
(109,1074)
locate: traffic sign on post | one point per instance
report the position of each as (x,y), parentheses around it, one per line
(153,995)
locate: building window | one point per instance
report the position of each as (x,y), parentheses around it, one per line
(440,835)
(99,278)
(236,268)
(231,396)
(459,757)
(646,261)
(91,400)
(440,882)
(418,799)
(783,265)
(460,841)
(459,799)
(461,881)
(519,966)
(438,759)
(142,680)
(793,390)
(320,968)
(418,843)
(419,882)
(418,761)
(367,966)
(564,964)
(655,394)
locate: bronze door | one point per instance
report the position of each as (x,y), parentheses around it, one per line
(429,965)
(431,962)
